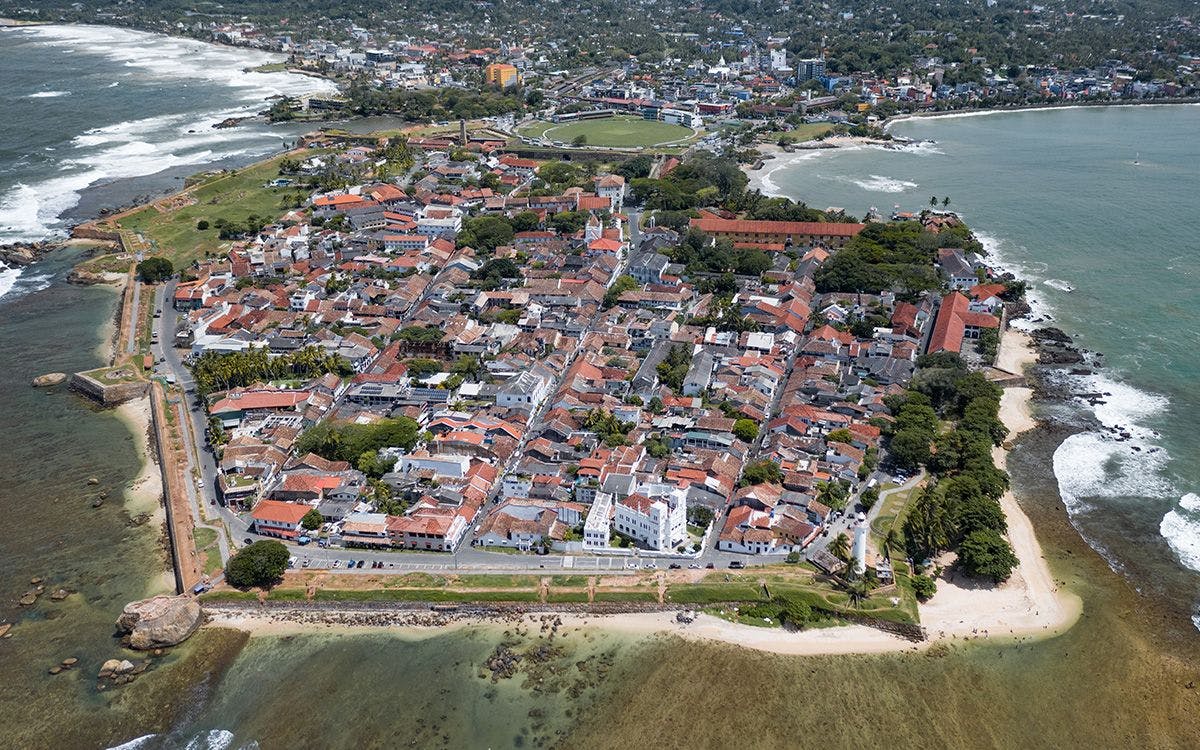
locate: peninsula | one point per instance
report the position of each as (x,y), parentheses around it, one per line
(449,375)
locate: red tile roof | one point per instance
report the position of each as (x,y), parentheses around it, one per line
(715,225)
(952,321)
(279,512)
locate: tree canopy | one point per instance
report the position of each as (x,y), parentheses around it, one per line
(155,269)
(259,565)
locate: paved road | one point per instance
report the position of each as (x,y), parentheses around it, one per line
(191,413)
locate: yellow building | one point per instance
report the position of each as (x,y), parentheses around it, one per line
(502,75)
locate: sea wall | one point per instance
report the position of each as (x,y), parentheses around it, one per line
(92,232)
(180,526)
(108,394)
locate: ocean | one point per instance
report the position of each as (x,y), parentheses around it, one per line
(93,106)
(1120,677)
(1095,208)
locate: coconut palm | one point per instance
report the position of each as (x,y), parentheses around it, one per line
(840,547)
(858,591)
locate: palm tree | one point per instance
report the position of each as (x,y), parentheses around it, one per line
(840,547)
(945,201)
(893,542)
(933,200)
(858,591)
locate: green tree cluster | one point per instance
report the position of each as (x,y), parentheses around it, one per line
(765,471)
(155,269)
(215,371)
(674,367)
(259,565)
(359,443)
(610,429)
(485,233)
(895,256)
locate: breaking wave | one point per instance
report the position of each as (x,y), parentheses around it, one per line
(32,204)
(880,184)
(1181,528)
(1121,459)
(48,94)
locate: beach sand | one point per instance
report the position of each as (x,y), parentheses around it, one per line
(843,639)
(144,494)
(1030,602)
(776,159)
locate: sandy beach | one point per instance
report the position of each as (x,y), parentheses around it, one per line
(776,158)
(144,494)
(1030,602)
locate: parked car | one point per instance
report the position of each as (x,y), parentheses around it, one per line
(303,540)
(737,564)
(674,566)
(200,588)
(710,566)
(360,563)
(247,540)
(694,566)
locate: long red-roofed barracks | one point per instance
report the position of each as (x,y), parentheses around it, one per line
(956,322)
(826,234)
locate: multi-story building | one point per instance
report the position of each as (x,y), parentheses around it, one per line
(658,522)
(502,75)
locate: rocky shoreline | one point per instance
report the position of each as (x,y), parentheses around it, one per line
(21,254)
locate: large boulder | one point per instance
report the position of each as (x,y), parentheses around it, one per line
(159,621)
(49,379)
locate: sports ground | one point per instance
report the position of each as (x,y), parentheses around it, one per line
(614,132)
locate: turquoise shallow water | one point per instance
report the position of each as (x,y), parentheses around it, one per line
(1104,201)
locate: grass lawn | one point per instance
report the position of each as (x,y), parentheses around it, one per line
(714,593)
(805,132)
(232,196)
(621,132)
(206,545)
(889,513)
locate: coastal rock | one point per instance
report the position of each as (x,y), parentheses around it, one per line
(1059,356)
(27,600)
(1051,334)
(110,667)
(69,662)
(55,669)
(23,253)
(93,480)
(87,278)
(59,594)
(4,628)
(159,621)
(49,379)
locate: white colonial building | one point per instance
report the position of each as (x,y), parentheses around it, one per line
(655,516)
